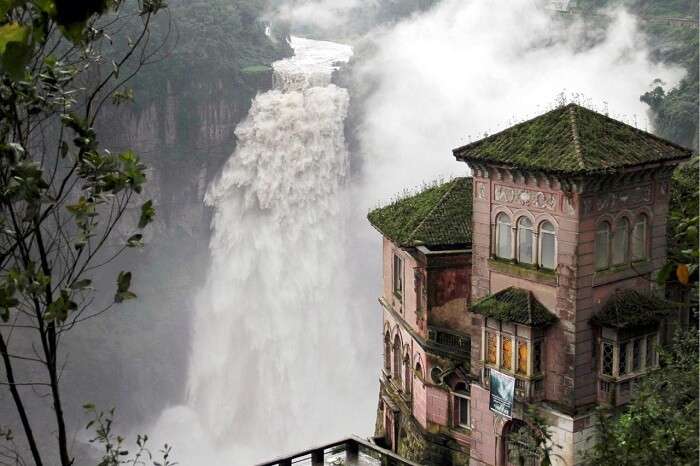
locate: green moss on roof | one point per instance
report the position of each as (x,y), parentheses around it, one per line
(514,305)
(631,309)
(571,140)
(437,216)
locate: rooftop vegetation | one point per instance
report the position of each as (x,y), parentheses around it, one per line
(632,309)
(514,305)
(440,215)
(571,140)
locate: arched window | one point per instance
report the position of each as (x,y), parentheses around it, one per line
(419,370)
(407,379)
(620,244)
(461,416)
(525,241)
(548,246)
(602,246)
(387,353)
(639,238)
(397,361)
(503,236)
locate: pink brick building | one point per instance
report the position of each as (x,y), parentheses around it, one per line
(539,267)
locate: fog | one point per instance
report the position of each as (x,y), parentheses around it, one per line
(420,87)
(279,348)
(466,69)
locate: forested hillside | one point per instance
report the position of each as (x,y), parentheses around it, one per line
(674,110)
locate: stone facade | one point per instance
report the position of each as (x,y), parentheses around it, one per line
(567,213)
(574,291)
(426,322)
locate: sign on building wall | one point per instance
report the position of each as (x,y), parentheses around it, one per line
(502,390)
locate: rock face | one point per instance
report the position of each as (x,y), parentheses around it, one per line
(182,124)
(184,140)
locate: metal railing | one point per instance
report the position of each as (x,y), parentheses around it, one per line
(350,451)
(449,340)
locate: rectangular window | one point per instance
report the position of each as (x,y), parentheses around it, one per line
(607,359)
(602,245)
(507,353)
(537,357)
(636,355)
(623,359)
(651,351)
(525,242)
(522,357)
(491,348)
(639,236)
(547,247)
(620,246)
(463,411)
(398,275)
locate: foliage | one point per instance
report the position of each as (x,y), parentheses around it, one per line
(115,452)
(439,215)
(632,309)
(660,425)
(532,443)
(235,41)
(62,197)
(571,140)
(514,305)
(683,226)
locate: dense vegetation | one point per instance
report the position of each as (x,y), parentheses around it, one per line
(675,110)
(660,426)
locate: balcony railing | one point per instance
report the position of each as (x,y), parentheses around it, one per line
(526,389)
(352,451)
(449,340)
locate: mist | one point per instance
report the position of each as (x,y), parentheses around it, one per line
(467,69)
(257,331)
(418,87)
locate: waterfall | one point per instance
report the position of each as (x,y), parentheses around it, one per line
(272,354)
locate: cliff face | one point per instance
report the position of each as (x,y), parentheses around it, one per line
(184,136)
(181,123)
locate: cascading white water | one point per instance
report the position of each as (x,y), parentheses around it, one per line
(272,359)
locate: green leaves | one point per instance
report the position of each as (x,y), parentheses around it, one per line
(660,425)
(135,241)
(15,48)
(60,307)
(81,284)
(123,285)
(148,212)
(12,32)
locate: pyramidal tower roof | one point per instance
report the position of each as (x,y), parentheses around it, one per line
(571,140)
(439,216)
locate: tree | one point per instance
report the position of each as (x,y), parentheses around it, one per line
(532,443)
(660,425)
(683,225)
(64,201)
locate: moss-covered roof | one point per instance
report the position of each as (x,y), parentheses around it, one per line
(631,309)
(571,140)
(514,305)
(440,215)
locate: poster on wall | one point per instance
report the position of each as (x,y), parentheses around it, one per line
(502,390)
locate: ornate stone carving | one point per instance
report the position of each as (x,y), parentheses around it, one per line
(481,191)
(616,200)
(525,197)
(568,205)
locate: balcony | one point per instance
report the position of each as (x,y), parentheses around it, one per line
(527,389)
(352,451)
(617,391)
(448,340)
